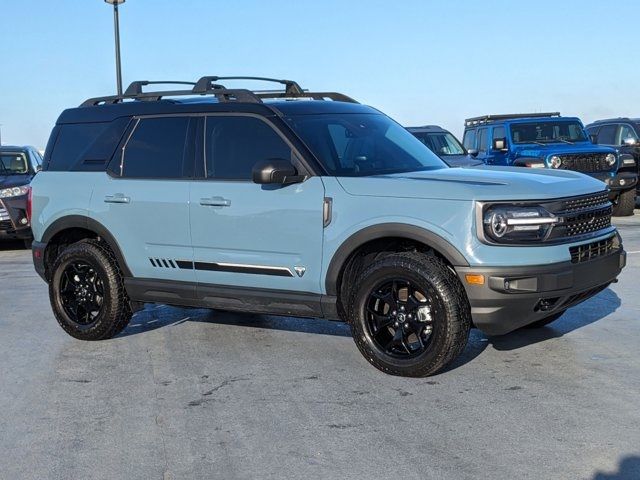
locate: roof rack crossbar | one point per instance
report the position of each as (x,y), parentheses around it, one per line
(489,118)
(291,87)
(135,88)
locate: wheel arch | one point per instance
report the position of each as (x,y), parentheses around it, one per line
(78,227)
(402,231)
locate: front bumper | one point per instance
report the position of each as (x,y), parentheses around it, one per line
(37,253)
(620,181)
(13,215)
(513,297)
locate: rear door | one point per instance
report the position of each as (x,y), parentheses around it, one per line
(144,200)
(250,235)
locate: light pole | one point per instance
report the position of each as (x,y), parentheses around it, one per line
(116,28)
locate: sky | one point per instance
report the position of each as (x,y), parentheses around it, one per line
(419,61)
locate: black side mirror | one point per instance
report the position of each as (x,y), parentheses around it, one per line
(594,138)
(275,171)
(473,152)
(500,144)
(629,142)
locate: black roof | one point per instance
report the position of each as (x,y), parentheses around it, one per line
(428,129)
(619,119)
(14,148)
(209,96)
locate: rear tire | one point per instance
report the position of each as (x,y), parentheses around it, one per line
(409,314)
(625,203)
(87,292)
(545,321)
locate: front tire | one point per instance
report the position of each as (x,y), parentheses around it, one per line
(409,314)
(87,292)
(625,203)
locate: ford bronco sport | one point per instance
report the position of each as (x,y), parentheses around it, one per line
(549,140)
(306,204)
(18,165)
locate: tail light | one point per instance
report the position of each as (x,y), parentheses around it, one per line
(29,203)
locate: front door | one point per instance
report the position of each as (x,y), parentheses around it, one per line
(250,235)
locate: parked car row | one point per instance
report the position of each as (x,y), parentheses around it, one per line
(548,140)
(306,203)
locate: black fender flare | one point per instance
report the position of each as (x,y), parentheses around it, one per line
(397,230)
(86,223)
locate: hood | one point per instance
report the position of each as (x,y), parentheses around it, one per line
(461,160)
(475,183)
(535,150)
(7,181)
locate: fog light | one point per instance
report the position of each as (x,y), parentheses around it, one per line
(23,221)
(474,279)
(623,182)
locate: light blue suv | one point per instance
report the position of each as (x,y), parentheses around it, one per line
(305,204)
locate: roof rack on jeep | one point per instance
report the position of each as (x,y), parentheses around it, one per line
(469,122)
(208,85)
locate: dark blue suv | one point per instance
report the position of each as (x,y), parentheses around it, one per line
(547,140)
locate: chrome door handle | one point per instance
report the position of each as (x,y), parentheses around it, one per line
(117,198)
(215,202)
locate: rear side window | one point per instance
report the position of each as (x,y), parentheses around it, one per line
(607,134)
(235,144)
(85,146)
(157,148)
(469,140)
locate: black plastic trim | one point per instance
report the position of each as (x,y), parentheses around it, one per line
(386,230)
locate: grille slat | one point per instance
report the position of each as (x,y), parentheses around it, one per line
(585,162)
(593,250)
(581,216)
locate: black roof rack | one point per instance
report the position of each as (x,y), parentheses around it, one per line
(469,122)
(208,86)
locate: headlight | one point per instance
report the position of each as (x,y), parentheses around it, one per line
(555,161)
(517,224)
(14,191)
(611,159)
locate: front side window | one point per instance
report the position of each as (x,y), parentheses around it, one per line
(469,140)
(13,163)
(625,135)
(234,144)
(157,148)
(482,140)
(607,135)
(498,133)
(548,132)
(441,143)
(355,145)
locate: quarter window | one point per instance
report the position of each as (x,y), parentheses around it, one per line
(157,148)
(235,144)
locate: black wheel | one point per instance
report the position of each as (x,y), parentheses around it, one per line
(409,314)
(545,321)
(624,205)
(87,292)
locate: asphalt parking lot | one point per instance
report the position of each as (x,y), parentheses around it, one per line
(205,394)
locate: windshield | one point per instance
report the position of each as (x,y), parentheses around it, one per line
(12,163)
(441,143)
(546,132)
(354,145)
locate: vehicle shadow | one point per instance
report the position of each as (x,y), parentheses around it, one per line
(12,245)
(629,469)
(154,316)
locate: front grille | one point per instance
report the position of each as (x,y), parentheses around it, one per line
(580,215)
(585,162)
(591,251)
(5,220)
(6,225)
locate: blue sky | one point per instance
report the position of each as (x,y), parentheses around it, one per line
(420,61)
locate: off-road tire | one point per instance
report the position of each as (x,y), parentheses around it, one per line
(545,321)
(450,329)
(625,203)
(115,311)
